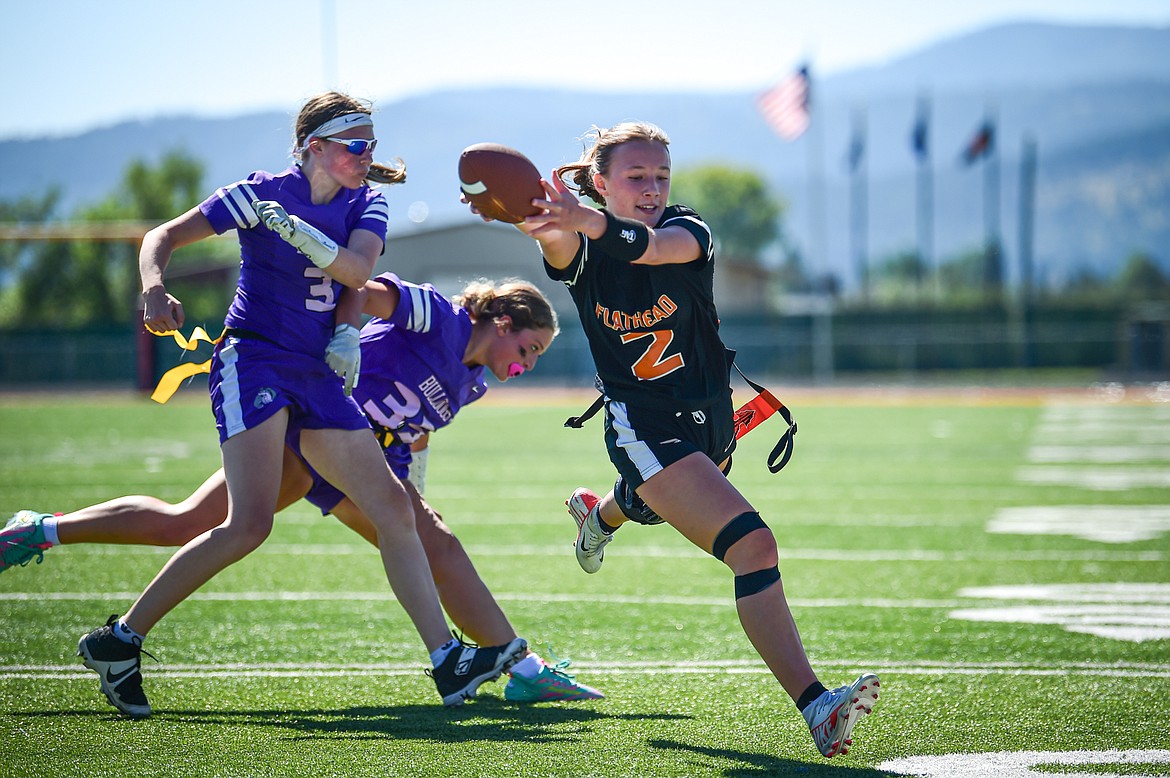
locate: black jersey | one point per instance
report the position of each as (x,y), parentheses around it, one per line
(653,330)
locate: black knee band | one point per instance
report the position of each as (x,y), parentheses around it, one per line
(734,531)
(753,583)
(633,506)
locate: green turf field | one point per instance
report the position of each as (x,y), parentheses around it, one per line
(1001,560)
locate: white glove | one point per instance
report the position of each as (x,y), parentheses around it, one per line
(344,354)
(298,233)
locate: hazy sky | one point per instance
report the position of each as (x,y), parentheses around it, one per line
(70,66)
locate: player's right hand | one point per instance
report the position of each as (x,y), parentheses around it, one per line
(344,354)
(162,313)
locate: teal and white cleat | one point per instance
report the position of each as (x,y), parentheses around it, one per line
(23,539)
(831,716)
(552,683)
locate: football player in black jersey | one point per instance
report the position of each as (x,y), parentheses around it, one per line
(640,272)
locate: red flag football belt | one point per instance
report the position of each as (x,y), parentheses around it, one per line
(749,416)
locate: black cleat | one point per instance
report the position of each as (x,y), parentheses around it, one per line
(467,666)
(118,665)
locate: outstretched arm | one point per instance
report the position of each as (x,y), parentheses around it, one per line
(164,313)
(564,216)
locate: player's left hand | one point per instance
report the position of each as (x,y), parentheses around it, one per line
(275,218)
(298,233)
(344,354)
(561,211)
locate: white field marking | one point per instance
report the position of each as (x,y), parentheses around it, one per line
(1101,432)
(1123,607)
(1140,593)
(1120,611)
(541,519)
(75,671)
(1103,523)
(1117,414)
(682,552)
(387,596)
(1100,479)
(1019,764)
(1099,454)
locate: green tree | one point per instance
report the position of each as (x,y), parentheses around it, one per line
(743,215)
(963,278)
(17,256)
(1142,278)
(899,277)
(70,284)
(155,194)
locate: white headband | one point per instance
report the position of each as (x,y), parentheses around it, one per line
(334,125)
(340,124)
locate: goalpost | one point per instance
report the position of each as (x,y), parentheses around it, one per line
(130,232)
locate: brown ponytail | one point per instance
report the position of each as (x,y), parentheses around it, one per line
(596,157)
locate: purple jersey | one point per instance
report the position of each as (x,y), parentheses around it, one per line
(282,296)
(413,377)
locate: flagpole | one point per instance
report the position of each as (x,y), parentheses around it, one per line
(329,44)
(993,267)
(859,213)
(788,109)
(925,195)
(822,356)
(1027,237)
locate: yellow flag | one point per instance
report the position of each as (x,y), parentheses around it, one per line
(173,378)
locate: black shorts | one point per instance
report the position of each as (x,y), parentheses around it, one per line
(642,441)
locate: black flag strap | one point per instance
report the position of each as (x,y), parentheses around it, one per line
(753,413)
(577,422)
(748,417)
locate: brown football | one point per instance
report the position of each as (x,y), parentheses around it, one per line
(500,182)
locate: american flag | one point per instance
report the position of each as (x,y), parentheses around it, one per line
(785,107)
(982,144)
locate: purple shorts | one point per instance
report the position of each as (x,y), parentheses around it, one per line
(325,495)
(251,380)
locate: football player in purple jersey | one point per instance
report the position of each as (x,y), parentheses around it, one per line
(304,234)
(423,359)
(640,271)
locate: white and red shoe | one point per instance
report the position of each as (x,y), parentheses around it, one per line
(591,541)
(831,716)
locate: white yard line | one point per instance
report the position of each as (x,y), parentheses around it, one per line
(682,552)
(1101,523)
(545,597)
(1113,479)
(692,667)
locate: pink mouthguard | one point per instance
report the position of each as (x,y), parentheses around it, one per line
(515,369)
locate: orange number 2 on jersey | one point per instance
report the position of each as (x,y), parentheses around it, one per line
(652,365)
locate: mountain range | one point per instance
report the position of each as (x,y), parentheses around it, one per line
(1094,100)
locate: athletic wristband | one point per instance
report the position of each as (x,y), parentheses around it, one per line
(314,244)
(624,239)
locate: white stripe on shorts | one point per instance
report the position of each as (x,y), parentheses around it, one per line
(229,386)
(638,452)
